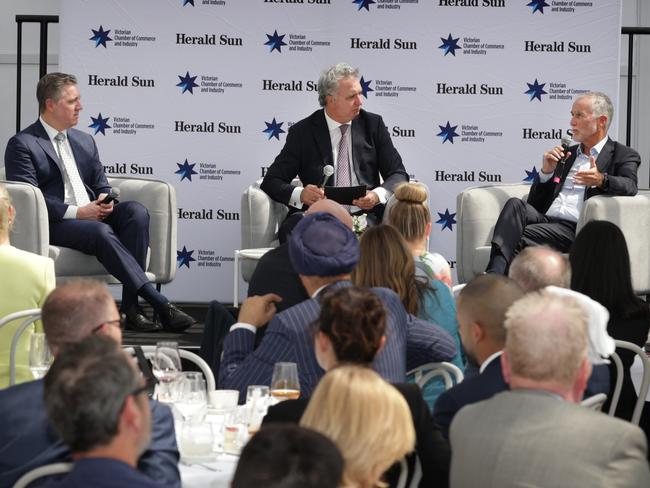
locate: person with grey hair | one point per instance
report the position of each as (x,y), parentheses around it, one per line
(96,401)
(536,434)
(82,209)
(74,311)
(342,135)
(597,165)
(537,267)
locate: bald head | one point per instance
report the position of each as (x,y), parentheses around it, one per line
(331,207)
(537,267)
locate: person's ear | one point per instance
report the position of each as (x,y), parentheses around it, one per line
(427,229)
(505,367)
(382,343)
(477,331)
(580,383)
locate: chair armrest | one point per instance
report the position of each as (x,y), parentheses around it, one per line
(159,197)
(31,230)
(477,210)
(260,218)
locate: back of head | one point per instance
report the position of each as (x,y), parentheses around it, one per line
(410,213)
(50,86)
(333,208)
(547,338)
(385,260)
(320,245)
(85,390)
(354,320)
(288,456)
(5,204)
(73,310)
(600,264)
(486,299)
(537,267)
(366,417)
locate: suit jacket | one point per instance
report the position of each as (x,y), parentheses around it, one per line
(618,161)
(28,440)
(30,157)
(26,281)
(308,149)
(431,448)
(289,337)
(531,438)
(102,473)
(471,390)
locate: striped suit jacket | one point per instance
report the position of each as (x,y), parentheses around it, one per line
(410,342)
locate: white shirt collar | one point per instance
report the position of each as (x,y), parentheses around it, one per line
(333,124)
(489,359)
(51,131)
(595,151)
(317,292)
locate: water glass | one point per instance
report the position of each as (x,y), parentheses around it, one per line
(40,357)
(191,398)
(196,439)
(257,404)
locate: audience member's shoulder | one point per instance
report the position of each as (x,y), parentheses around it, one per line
(20,255)
(288,411)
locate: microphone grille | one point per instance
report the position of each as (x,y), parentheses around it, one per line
(115,192)
(328,170)
(566,139)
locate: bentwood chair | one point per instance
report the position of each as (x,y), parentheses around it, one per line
(42,471)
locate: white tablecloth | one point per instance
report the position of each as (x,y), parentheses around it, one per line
(216,474)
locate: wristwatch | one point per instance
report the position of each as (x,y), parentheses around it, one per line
(605,184)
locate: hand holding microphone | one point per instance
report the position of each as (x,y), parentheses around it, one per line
(555,159)
(311,193)
(328,170)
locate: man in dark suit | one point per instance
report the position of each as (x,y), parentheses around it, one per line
(73,311)
(323,252)
(64,164)
(481,311)
(343,135)
(596,166)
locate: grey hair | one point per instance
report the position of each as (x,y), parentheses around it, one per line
(85,390)
(5,204)
(537,267)
(50,86)
(601,104)
(328,82)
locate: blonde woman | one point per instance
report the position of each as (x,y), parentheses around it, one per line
(26,281)
(367,419)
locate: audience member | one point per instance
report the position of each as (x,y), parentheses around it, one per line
(410,215)
(323,251)
(366,418)
(96,401)
(535,434)
(27,278)
(289,456)
(482,307)
(351,330)
(537,267)
(601,270)
(73,311)
(385,260)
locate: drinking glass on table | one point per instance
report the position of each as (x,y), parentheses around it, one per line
(40,357)
(284,383)
(191,397)
(257,404)
(166,368)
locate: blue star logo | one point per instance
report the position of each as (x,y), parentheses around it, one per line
(274,129)
(531,175)
(537,6)
(365,87)
(186,170)
(187,83)
(100,124)
(275,41)
(184,258)
(447,132)
(363,4)
(100,36)
(447,220)
(449,45)
(535,90)
(188,2)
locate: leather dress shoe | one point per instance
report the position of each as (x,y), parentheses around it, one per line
(137,321)
(174,319)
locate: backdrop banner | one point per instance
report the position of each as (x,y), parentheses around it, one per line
(201,93)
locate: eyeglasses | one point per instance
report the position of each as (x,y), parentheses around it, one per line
(121,322)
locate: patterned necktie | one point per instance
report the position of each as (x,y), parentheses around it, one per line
(343,161)
(73,181)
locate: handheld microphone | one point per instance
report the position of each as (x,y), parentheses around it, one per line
(565,143)
(114,194)
(328,170)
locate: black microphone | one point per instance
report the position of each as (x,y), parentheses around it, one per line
(328,170)
(565,143)
(114,194)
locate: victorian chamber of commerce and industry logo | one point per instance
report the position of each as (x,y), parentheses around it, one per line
(201,3)
(205,258)
(559,6)
(294,42)
(446,220)
(466,133)
(468,45)
(384,87)
(205,84)
(531,175)
(206,171)
(120,37)
(382,5)
(273,129)
(120,125)
(554,90)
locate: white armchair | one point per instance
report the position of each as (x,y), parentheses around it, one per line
(477,210)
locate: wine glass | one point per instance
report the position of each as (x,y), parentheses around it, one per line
(192,396)
(166,367)
(257,404)
(284,383)
(40,356)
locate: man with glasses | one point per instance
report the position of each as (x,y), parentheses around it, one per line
(104,419)
(73,311)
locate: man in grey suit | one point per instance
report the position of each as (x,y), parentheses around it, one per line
(535,435)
